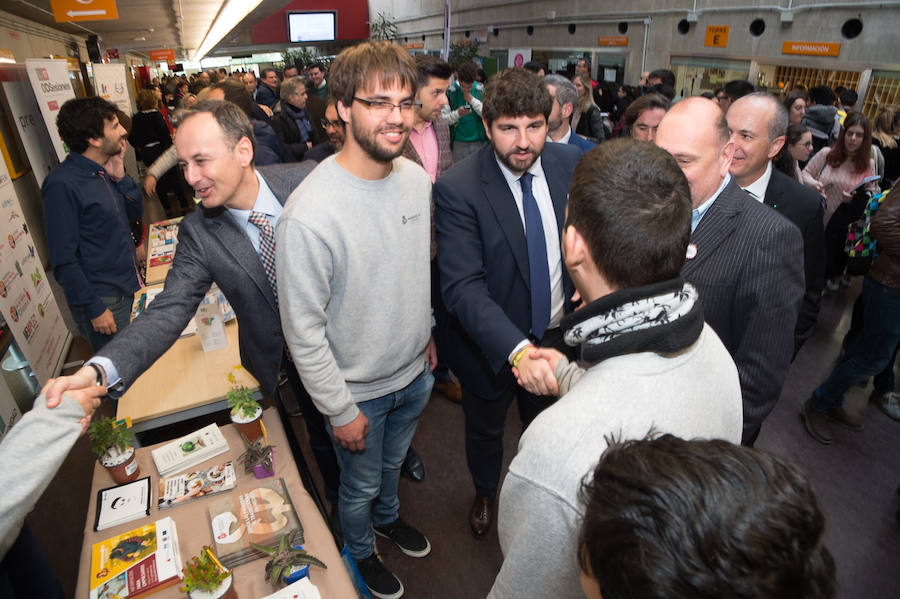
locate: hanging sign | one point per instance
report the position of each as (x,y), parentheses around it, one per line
(812,48)
(65,11)
(717,36)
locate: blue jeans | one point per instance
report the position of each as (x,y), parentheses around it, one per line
(370,478)
(872,349)
(120,306)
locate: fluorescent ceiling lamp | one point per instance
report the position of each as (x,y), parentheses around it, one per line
(232,13)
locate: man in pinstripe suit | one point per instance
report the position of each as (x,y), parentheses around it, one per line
(745,259)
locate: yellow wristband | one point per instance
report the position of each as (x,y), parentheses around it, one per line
(519,355)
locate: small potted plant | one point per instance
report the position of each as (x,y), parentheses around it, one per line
(114,445)
(246,413)
(258,458)
(206,578)
(288,562)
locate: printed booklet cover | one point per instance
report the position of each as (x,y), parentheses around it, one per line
(200,483)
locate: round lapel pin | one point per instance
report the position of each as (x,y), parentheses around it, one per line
(691,251)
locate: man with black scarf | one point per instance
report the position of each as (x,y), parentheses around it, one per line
(652,362)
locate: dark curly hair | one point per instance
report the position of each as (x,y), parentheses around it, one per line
(81,119)
(667,518)
(515,92)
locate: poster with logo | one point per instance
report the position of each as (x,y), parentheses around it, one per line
(29,123)
(111,83)
(50,82)
(26,300)
(518,57)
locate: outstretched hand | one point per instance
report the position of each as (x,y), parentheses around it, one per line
(535,375)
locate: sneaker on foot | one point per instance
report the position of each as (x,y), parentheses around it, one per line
(408,539)
(889,403)
(378,578)
(832,285)
(816,423)
(845,418)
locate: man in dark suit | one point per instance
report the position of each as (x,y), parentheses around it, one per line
(498,219)
(758,124)
(429,147)
(745,259)
(218,244)
(565,96)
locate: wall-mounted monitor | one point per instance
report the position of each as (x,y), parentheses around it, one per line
(312,26)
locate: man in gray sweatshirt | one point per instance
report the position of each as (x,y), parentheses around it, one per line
(352,256)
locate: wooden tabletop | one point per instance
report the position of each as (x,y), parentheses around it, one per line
(184,382)
(193,528)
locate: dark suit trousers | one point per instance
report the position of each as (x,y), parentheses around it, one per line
(486,420)
(319,441)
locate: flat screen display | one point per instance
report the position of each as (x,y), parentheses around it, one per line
(312,26)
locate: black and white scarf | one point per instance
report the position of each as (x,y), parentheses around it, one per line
(663,318)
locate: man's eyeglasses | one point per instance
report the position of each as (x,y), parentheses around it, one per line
(336,124)
(381,108)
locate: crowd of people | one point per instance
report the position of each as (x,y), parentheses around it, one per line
(636,270)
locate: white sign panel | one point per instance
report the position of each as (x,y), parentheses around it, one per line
(29,122)
(111,83)
(50,82)
(26,299)
(518,57)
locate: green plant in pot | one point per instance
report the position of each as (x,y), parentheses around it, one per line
(113,443)
(288,560)
(206,578)
(246,413)
(258,457)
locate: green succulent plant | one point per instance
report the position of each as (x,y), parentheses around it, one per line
(106,433)
(240,398)
(257,454)
(285,555)
(203,572)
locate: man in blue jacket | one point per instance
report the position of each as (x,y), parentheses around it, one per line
(89,202)
(565,97)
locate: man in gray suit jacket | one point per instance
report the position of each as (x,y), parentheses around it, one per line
(216,244)
(745,259)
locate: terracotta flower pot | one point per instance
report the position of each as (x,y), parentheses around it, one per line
(226,590)
(249,427)
(122,466)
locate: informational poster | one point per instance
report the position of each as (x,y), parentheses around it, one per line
(518,57)
(111,83)
(29,122)
(50,82)
(26,300)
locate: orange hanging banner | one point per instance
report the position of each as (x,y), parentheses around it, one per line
(166,55)
(65,11)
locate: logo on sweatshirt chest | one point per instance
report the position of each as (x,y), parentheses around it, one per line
(412,218)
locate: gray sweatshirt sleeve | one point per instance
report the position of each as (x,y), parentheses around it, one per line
(161,165)
(538,533)
(30,455)
(567,375)
(304,266)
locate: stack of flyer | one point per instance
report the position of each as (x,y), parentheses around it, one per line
(302,589)
(200,483)
(122,503)
(136,563)
(189,450)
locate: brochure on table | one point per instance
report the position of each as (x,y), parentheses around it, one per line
(26,300)
(189,450)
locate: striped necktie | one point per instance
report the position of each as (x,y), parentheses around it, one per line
(266,247)
(539,269)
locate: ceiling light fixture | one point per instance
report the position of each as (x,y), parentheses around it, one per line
(232,13)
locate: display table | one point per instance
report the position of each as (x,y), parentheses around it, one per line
(184,382)
(194,530)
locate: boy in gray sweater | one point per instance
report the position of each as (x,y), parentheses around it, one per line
(352,256)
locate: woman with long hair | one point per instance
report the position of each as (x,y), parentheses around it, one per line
(587,121)
(840,169)
(884,137)
(797,148)
(796,103)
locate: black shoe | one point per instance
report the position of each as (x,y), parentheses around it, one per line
(408,539)
(816,423)
(845,418)
(413,468)
(378,579)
